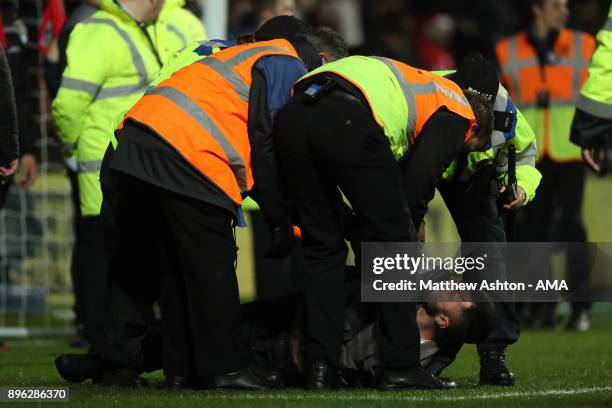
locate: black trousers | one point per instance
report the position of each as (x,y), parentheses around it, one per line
(561,190)
(477,219)
(76,263)
(183,251)
(337,144)
(91,265)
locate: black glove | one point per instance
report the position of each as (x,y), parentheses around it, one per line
(281,240)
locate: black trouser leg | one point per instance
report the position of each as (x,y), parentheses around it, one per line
(571,195)
(336,143)
(205,277)
(534,225)
(135,262)
(76,262)
(94,279)
(478,220)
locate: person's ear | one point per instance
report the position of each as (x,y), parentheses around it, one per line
(324,58)
(442,321)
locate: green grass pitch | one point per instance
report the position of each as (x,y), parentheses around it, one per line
(553,369)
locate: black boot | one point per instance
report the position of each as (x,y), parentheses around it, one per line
(493,370)
(245,379)
(77,368)
(415,379)
(321,376)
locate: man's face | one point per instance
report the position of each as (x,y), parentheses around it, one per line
(284,8)
(153,9)
(474,142)
(553,13)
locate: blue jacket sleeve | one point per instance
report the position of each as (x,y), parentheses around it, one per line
(273,78)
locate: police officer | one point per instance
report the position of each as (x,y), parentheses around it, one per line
(347,125)
(110,58)
(472,188)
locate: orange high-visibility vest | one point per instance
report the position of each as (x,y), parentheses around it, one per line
(402,98)
(561,80)
(202,111)
(430,92)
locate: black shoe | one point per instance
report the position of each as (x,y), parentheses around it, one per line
(493,370)
(245,379)
(77,368)
(321,376)
(414,379)
(176,382)
(124,377)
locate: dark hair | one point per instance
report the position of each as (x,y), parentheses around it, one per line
(476,323)
(483,111)
(325,40)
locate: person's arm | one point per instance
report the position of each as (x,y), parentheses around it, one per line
(273,78)
(87,68)
(527,175)
(9,143)
(26,107)
(439,143)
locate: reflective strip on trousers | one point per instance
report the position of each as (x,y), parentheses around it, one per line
(224,68)
(206,123)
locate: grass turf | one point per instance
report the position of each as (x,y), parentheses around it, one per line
(553,369)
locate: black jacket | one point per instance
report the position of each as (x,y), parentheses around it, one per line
(9,143)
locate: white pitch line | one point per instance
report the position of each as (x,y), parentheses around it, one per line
(392,396)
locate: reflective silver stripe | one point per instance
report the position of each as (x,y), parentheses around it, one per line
(123,90)
(92,166)
(525,158)
(177,32)
(555,104)
(514,67)
(501,100)
(578,64)
(224,68)
(608,25)
(411,91)
(409,96)
(497,138)
(599,109)
(206,123)
(212,44)
(433,87)
(80,85)
(136,57)
(528,156)
(524,63)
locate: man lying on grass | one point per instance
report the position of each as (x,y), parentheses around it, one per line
(271,328)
